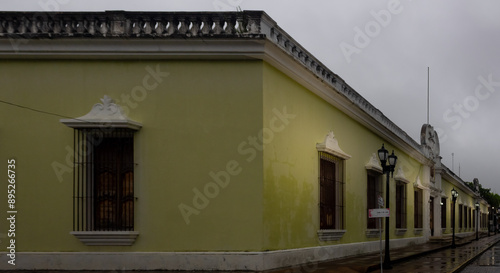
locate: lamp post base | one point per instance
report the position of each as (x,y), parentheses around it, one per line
(387,266)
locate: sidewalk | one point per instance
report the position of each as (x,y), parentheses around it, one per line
(429,257)
(423,258)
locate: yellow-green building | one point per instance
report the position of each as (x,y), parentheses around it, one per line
(198,140)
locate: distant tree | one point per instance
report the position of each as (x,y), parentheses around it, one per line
(470,185)
(492,198)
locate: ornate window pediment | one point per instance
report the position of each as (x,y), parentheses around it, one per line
(105,114)
(400,175)
(418,184)
(374,164)
(331,145)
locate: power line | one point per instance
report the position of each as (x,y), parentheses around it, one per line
(50,113)
(35,110)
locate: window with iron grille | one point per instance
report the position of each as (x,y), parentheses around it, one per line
(469,216)
(466,217)
(374,190)
(418,206)
(443,212)
(464,208)
(474,216)
(331,192)
(103,191)
(460,215)
(400,204)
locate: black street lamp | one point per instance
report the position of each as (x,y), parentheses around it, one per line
(477,220)
(454,195)
(387,168)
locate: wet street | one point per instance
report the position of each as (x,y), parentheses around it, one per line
(488,262)
(453,259)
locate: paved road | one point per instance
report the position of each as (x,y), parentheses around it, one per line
(488,262)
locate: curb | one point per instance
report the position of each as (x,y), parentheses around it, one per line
(467,262)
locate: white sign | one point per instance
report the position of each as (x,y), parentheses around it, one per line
(377,213)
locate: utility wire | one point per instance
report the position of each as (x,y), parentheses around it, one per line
(41,111)
(35,110)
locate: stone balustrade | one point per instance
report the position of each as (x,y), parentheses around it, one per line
(129,24)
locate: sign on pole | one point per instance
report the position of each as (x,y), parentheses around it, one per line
(378,213)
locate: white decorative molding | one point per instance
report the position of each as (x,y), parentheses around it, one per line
(418,184)
(330,234)
(373,233)
(374,164)
(132,24)
(418,231)
(430,141)
(331,145)
(106,238)
(107,114)
(400,231)
(400,175)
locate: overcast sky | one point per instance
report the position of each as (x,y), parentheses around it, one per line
(382,49)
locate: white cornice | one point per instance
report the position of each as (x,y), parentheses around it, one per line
(276,57)
(456,181)
(126,49)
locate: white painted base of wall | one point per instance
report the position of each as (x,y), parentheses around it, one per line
(254,261)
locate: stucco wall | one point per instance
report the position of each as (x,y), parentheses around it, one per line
(195,115)
(291,213)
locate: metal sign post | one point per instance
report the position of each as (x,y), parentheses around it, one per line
(380,205)
(379,213)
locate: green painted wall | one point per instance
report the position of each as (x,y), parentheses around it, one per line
(194,121)
(243,123)
(463,198)
(291,213)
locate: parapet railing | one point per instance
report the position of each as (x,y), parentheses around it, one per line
(129,24)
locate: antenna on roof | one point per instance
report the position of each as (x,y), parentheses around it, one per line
(452,162)
(427,95)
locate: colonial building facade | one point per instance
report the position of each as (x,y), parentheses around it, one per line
(199,140)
